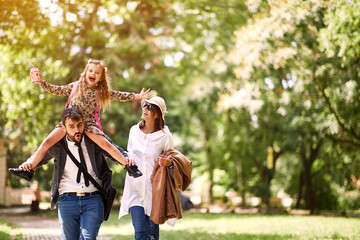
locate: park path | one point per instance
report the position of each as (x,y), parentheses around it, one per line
(34,227)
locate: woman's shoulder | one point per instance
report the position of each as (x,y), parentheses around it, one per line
(135,128)
(164,133)
(168,139)
(167,130)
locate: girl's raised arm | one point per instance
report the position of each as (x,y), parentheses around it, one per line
(127,96)
(64,90)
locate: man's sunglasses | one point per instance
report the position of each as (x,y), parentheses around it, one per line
(148,106)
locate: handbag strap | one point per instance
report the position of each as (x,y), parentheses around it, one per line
(82,169)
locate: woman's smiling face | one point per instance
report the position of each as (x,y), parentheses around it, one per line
(93,74)
(147,114)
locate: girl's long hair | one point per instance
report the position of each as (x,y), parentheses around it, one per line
(159,122)
(102,87)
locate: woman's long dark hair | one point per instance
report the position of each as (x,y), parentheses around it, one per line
(159,121)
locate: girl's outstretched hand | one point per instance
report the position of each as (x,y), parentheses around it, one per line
(147,94)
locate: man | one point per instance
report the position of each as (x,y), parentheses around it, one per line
(80,204)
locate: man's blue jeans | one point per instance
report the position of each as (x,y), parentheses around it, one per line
(80,217)
(144,228)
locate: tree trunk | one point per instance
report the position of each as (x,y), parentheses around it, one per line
(239,181)
(210,166)
(269,173)
(309,192)
(307,165)
(300,190)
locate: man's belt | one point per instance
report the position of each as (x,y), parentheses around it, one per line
(82,194)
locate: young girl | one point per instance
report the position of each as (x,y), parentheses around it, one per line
(91,92)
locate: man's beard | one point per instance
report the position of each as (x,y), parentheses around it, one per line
(76,137)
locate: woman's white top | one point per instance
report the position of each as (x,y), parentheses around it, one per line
(144,149)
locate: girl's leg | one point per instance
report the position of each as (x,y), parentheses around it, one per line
(102,142)
(56,135)
(132,169)
(123,152)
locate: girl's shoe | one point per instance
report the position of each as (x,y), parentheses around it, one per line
(133,171)
(22,173)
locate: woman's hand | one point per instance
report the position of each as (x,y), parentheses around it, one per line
(164,161)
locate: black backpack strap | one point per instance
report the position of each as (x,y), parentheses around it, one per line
(82,169)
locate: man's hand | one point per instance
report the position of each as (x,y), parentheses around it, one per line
(26,166)
(130,162)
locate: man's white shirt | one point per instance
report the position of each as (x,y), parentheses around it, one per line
(68,181)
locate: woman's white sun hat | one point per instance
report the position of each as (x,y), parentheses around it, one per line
(158,101)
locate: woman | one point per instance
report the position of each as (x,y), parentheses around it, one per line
(147,141)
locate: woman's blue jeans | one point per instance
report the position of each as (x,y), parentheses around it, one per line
(144,228)
(80,217)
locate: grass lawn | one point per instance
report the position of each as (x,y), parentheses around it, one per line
(201,226)
(208,226)
(5,231)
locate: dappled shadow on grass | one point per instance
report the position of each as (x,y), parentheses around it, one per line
(44,213)
(201,235)
(25,211)
(4,235)
(5,231)
(197,226)
(198,235)
(193,234)
(114,236)
(211,216)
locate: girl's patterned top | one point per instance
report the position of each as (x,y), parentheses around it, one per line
(88,104)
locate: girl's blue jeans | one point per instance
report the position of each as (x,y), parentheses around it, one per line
(80,217)
(144,228)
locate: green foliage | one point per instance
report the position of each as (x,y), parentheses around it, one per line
(349,200)
(341,37)
(327,193)
(238,77)
(302,88)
